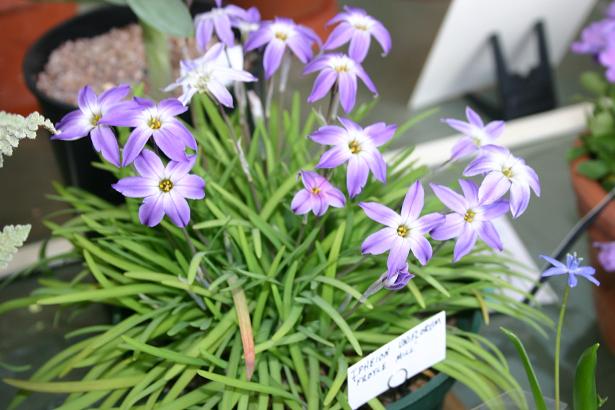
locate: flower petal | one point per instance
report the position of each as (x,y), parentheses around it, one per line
(359,45)
(104,141)
(495,128)
(462,148)
(489,235)
(323,83)
(301,48)
(204,31)
(451,227)
(87,100)
(493,187)
(474,118)
(356,178)
(220,93)
(136,187)
(429,222)
(176,208)
(72,126)
(413,202)
(377,165)
(421,249)
(366,80)
(113,96)
(554,262)
(273,56)
(398,255)
(302,202)
(450,198)
(151,210)
(380,133)
(328,135)
(481,165)
(222,24)
(191,187)
(470,191)
(149,165)
(381,214)
(379,242)
(347,84)
(465,242)
(258,38)
(171,107)
(136,141)
(461,126)
(494,210)
(519,198)
(339,36)
(170,145)
(382,36)
(334,157)
(553,271)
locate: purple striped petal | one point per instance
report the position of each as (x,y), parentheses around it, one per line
(461,126)
(366,80)
(87,99)
(398,255)
(465,242)
(413,202)
(356,178)
(181,133)
(347,84)
(379,242)
(169,145)
(176,208)
(572,280)
(377,165)
(495,128)
(322,85)
(104,141)
(113,96)
(451,227)
(339,36)
(317,64)
(430,222)
(136,187)
(533,180)
(190,186)
(382,36)
(136,141)
(258,38)
(421,249)
(302,202)
(220,93)
(176,170)
(519,198)
(349,124)
(334,158)
(328,135)
(149,165)
(495,210)
(464,147)
(381,214)
(72,126)
(489,235)
(222,24)
(380,133)
(335,197)
(493,187)
(470,190)
(204,31)
(301,48)
(151,211)
(171,107)
(554,262)
(450,198)
(474,118)
(273,56)
(359,45)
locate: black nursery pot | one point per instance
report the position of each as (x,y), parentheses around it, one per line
(75,158)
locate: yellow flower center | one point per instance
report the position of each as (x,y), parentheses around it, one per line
(315,190)
(165,185)
(95,119)
(361,26)
(154,123)
(281,36)
(354,147)
(342,68)
(403,231)
(507,172)
(469,216)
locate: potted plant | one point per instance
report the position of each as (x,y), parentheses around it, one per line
(244,275)
(593,165)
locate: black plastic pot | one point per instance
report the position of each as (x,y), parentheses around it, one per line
(431,395)
(75,158)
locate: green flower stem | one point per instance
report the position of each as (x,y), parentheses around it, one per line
(158,59)
(558,338)
(242,156)
(333,104)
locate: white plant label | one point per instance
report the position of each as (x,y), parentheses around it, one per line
(403,357)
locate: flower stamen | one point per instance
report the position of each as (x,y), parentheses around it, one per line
(154,123)
(165,185)
(281,35)
(354,147)
(507,171)
(469,216)
(403,231)
(315,190)
(95,119)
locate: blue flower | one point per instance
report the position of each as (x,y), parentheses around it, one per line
(572,268)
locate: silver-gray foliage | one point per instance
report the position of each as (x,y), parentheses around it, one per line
(11,238)
(14,127)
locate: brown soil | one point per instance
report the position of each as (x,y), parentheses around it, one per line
(102,62)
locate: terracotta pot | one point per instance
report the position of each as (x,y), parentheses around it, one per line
(589,193)
(312,13)
(23,22)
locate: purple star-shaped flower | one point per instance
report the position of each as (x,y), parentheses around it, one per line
(595,37)
(404,232)
(317,195)
(278,34)
(357,146)
(356,26)
(219,20)
(606,255)
(469,220)
(572,268)
(153,120)
(398,278)
(88,119)
(208,74)
(504,172)
(165,189)
(341,71)
(476,133)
